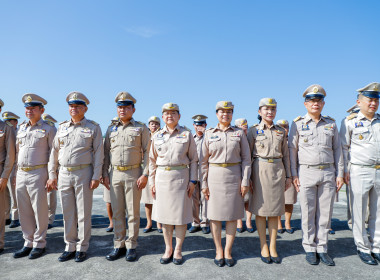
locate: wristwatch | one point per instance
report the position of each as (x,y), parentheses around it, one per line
(194,182)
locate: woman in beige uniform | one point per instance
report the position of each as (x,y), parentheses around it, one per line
(173,164)
(226,168)
(146,196)
(271,165)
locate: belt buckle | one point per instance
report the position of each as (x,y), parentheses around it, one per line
(70,169)
(322,167)
(377,166)
(224,165)
(167,168)
(270,160)
(26,169)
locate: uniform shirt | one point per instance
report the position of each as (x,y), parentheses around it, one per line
(7,148)
(126,144)
(77,144)
(34,143)
(229,146)
(269,142)
(313,143)
(173,149)
(360,139)
(198,142)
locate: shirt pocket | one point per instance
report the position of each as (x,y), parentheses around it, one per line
(214,143)
(260,142)
(181,146)
(305,138)
(161,147)
(327,137)
(21,139)
(63,138)
(360,134)
(85,137)
(133,137)
(113,139)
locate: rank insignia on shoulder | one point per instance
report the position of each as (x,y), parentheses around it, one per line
(95,123)
(297,119)
(328,117)
(358,124)
(140,123)
(305,127)
(351,116)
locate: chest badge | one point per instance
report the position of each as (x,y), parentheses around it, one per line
(260,132)
(305,127)
(358,124)
(114,128)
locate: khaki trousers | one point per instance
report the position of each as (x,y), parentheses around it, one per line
(32,206)
(2,218)
(199,204)
(76,200)
(11,210)
(125,200)
(52,203)
(317,194)
(365,190)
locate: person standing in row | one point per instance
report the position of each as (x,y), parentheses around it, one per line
(271,176)
(52,195)
(154,125)
(317,170)
(360,134)
(199,201)
(126,146)
(7,159)
(78,153)
(173,167)
(243,124)
(226,169)
(290,193)
(33,146)
(10,196)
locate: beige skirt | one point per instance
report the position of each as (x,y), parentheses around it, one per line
(291,195)
(268,197)
(146,195)
(172,205)
(225,202)
(106,195)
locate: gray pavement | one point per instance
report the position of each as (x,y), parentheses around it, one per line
(198,252)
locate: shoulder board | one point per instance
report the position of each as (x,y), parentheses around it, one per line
(186,128)
(297,119)
(209,128)
(93,122)
(8,123)
(49,123)
(140,123)
(113,122)
(351,116)
(63,122)
(328,117)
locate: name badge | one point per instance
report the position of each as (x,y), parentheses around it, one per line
(305,127)
(259,132)
(86,130)
(114,128)
(358,124)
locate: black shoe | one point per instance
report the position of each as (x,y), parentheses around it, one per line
(376,256)
(276,260)
(194,229)
(366,258)
(326,259)
(311,258)
(331,231)
(219,262)
(1,250)
(146,230)
(109,229)
(131,255)
(50,226)
(14,224)
(250,230)
(281,230)
(7,222)
(36,253)
(80,256)
(66,256)
(291,230)
(116,253)
(206,230)
(239,229)
(266,260)
(178,261)
(23,252)
(159,230)
(166,260)
(229,262)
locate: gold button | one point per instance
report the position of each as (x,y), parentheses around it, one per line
(305,140)
(360,137)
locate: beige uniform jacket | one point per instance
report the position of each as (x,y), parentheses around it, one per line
(268,143)
(360,139)
(126,145)
(173,149)
(315,144)
(34,143)
(7,148)
(77,144)
(198,142)
(230,146)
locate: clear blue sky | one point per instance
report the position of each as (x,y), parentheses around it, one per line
(193,53)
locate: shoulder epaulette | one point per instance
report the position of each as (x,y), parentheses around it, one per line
(140,122)
(186,128)
(297,119)
(8,123)
(209,128)
(63,122)
(49,123)
(328,117)
(351,116)
(95,123)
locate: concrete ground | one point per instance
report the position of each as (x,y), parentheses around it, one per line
(198,252)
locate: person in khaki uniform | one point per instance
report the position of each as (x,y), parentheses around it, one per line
(360,135)
(317,170)
(11,211)
(290,193)
(271,176)
(52,195)
(33,146)
(199,201)
(7,159)
(226,169)
(173,165)
(154,124)
(125,146)
(78,153)
(243,124)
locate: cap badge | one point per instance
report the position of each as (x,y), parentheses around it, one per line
(225,104)
(29,98)
(315,89)
(122,96)
(170,106)
(5,115)
(74,97)
(376,88)
(199,118)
